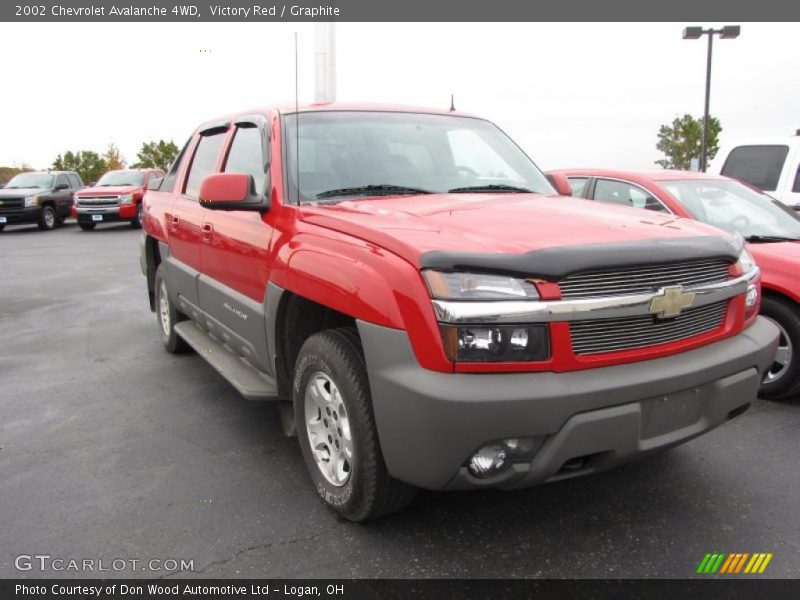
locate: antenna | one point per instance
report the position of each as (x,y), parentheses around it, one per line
(452,104)
(296,123)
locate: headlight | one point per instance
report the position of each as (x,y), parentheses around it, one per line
(478,286)
(32,201)
(126,199)
(496,343)
(746,262)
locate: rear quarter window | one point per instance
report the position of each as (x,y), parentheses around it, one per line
(760,166)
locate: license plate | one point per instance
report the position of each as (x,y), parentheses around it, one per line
(2,220)
(97,217)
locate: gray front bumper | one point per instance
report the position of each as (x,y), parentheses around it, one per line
(430,423)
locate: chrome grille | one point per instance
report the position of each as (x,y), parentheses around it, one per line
(643,280)
(11,205)
(612,335)
(98,201)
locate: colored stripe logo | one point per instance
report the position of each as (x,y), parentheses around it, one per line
(732,564)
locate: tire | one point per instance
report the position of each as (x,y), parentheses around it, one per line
(137,221)
(783,377)
(167,316)
(87,226)
(48,220)
(357,486)
(3,226)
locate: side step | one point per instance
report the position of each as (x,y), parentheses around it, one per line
(248,381)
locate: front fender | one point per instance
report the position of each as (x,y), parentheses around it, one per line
(363,281)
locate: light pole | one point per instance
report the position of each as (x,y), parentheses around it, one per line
(728,32)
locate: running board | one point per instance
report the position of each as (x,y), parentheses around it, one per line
(248,381)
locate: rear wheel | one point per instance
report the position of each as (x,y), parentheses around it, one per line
(782,378)
(48,219)
(336,429)
(168,316)
(87,226)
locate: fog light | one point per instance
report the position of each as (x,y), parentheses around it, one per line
(497,456)
(521,447)
(488,461)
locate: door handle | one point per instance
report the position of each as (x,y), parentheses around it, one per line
(208,231)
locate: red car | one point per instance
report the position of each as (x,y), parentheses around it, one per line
(426,312)
(116,197)
(771,230)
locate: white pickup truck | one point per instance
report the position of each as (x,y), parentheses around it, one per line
(771,165)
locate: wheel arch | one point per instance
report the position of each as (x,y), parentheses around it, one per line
(291,320)
(151,258)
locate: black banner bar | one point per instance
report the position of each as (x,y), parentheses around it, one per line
(385,589)
(266,11)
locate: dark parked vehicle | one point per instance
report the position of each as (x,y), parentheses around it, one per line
(42,197)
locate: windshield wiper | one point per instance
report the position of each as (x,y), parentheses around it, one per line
(372,190)
(490,188)
(770,238)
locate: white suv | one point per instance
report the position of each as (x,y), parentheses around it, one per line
(771,165)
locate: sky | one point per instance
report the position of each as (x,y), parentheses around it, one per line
(572,95)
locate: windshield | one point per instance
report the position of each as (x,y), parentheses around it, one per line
(735,207)
(31,180)
(347,154)
(121,178)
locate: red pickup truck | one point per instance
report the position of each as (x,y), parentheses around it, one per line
(408,287)
(116,197)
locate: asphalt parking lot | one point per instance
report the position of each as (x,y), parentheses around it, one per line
(112,448)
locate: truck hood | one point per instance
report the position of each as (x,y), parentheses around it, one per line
(788,251)
(410,226)
(21,192)
(110,190)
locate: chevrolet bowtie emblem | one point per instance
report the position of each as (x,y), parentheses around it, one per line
(670,302)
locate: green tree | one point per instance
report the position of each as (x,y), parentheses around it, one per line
(6,173)
(114,160)
(158,155)
(682,140)
(89,165)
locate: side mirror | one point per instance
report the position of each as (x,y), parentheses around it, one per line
(231,191)
(61,186)
(561,183)
(155,183)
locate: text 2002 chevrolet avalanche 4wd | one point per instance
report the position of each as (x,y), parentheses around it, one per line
(408,287)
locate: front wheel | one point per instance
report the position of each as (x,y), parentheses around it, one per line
(48,219)
(782,378)
(337,432)
(168,316)
(137,220)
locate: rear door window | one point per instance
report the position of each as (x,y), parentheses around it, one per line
(169,181)
(760,166)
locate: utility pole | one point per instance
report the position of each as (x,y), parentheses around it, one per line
(325,62)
